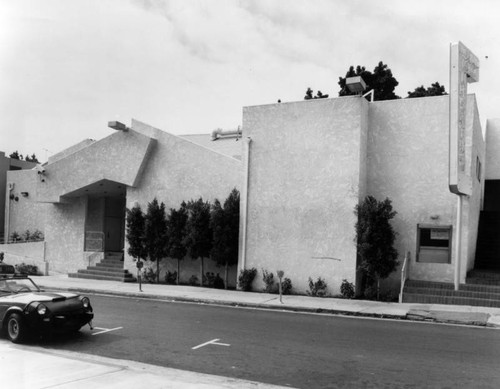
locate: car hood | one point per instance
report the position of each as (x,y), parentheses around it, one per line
(26,298)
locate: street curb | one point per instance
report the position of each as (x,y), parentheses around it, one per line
(420,316)
(236,304)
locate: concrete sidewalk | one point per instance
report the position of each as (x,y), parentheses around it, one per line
(29,367)
(455,314)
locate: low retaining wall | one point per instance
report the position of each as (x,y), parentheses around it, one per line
(30,253)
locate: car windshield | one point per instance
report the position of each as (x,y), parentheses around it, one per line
(17,285)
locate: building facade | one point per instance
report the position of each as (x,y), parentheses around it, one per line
(301,168)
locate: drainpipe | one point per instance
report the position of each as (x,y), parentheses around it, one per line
(244,203)
(10,188)
(458,243)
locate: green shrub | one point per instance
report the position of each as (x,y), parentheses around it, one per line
(213,280)
(26,236)
(318,288)
(268,279)
(246,278)
(149,275)
(36,235)
(286,286)
(218,282)
(193,280)
(171,277)
(347,289)
(23,268)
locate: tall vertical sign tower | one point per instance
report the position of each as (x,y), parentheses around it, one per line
(464,68)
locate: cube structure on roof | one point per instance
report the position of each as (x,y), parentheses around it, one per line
(355,84)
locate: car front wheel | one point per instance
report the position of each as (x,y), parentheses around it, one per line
(16,330)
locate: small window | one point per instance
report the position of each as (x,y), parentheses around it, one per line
(434,244)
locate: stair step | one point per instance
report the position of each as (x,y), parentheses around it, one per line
(110,264)
(489,274)
(485,282)
(450,300)
(94,270)
(484,294)
(468,287)
(102,277)
(109,268)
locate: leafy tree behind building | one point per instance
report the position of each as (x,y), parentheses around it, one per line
(434,90)
(29,158)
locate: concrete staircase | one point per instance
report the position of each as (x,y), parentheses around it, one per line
(110,268)
(479,290)
(482,285)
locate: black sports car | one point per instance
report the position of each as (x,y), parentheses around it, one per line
(27,310)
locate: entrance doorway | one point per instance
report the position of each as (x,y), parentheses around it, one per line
(114,223)
(492,196)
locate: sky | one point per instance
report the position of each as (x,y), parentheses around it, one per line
(67,67)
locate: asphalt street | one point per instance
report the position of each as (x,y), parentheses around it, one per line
(285,348)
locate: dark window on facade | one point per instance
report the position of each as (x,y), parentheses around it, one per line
(434,243)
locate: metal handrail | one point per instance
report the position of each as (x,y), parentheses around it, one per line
(93,256)
(404,274)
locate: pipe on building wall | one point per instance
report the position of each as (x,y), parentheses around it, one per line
(458,243)
(10,188)
(244,204)
(219,132)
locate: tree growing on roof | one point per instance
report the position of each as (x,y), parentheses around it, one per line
(380,80)
(155,234)
(16,155)
(198,239)
(225,222)
(309,95)
(176,226)
(32,158)
(434,90)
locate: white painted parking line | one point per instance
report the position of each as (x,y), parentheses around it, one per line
(103,330)
(213,341)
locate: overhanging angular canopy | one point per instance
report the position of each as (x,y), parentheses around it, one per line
(119,158)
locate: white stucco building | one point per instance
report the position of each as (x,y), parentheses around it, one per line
(301,168)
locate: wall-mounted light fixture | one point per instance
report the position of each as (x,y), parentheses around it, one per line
(355,84)
(115,125)
(25,194)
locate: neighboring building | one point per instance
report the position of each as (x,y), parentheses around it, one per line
(301,168)
(8,164)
